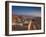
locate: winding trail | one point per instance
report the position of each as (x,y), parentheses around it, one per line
(29,25)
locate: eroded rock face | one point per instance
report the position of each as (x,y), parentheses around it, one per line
(26,23)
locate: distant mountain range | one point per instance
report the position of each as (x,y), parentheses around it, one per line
(27,16)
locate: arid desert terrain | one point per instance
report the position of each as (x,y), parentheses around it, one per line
(25,23)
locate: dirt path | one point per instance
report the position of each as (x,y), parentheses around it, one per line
(29,25)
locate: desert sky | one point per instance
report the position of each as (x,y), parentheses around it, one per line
(25,10)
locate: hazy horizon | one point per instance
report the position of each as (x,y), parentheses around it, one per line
(28,11)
